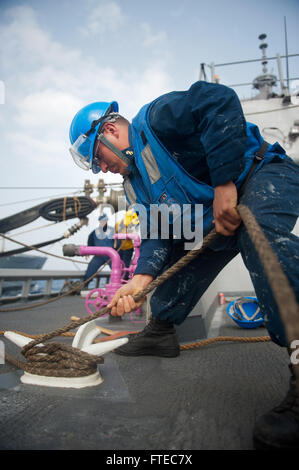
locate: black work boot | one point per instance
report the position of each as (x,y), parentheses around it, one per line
(158,338)
(279,429)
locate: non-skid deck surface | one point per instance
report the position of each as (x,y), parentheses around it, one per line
(207,398)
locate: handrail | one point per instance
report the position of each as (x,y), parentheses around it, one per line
(27,276)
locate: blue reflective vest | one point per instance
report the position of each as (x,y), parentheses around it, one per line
(160,179)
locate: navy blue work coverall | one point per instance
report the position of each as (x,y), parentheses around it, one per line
(98,260)
(272,194)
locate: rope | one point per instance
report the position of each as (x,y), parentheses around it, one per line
(239,339)
(28,248)
(282,291)
(55,351)
(77,205)
(34,229)
(196,344)
(119,334)
(62,209)
(190,256)
(286,303)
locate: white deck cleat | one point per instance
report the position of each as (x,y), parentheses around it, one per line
(18,339)
(62,382)
(83,340)
(85,335)
(102,348)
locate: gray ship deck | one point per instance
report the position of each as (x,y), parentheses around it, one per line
(207,398)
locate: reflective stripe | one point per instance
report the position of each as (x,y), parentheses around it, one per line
(150,164)
(131,195)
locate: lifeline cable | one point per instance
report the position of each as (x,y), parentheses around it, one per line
(283,294)
(69,232)
(4,254)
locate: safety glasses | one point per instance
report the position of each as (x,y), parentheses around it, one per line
(82,148)
(81,152)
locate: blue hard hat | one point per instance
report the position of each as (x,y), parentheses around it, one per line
(84,129)
(246,312)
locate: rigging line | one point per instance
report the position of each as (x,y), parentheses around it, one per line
(40,187)
(250,83)
(33,229)
(272,110)
(41,251)
(120,183)
(239,84)
(253,60)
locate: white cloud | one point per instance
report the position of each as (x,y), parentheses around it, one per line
(152,38)
(49,81)
(103,18)
(154,81)
(2,92)
(47,108)
(33,149)
(27,46)
(42,127)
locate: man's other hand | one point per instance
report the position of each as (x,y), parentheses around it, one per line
(226,217)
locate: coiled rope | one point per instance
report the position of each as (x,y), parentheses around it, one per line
(56,210)
(282,291)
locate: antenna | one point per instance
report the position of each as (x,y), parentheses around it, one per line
(287,54)
(263,47)
(266,81)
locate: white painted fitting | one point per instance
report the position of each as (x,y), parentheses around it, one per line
(83,340)
(62,382)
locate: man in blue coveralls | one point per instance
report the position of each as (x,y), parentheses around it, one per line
(103,236)
(194,147)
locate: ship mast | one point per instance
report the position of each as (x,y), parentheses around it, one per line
(264,83)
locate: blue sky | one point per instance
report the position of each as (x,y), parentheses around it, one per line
(57,56)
